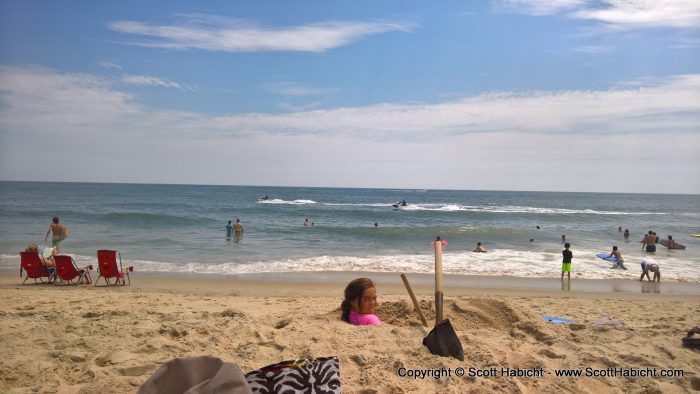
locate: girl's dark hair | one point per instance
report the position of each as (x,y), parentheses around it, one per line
(354,291)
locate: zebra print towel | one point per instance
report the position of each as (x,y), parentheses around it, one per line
(314,375)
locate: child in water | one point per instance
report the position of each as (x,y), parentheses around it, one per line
(359,303)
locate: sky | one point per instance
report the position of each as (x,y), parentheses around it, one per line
(545,95)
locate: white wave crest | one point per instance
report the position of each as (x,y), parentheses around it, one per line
(293,202)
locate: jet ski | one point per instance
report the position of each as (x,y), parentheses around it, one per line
(265,198)
(399,205)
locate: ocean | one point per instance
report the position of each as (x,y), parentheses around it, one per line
(181,228)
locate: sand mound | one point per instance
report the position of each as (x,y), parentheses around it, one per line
(470,314)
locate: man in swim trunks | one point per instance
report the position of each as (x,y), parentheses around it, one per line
(650,265)
(649,242)
(60,232)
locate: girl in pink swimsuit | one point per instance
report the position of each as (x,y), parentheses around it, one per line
(359,303)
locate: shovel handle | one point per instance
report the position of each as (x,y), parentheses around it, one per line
(415,301)
(438,281)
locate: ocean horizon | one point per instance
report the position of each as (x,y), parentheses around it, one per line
(181,228)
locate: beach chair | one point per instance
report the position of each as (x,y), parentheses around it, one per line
(68,271)
(31,262)
(108,268)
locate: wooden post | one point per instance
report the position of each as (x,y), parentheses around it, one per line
(438,281)
(415,301)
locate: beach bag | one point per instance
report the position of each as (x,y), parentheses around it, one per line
(305,375)
(196,375)
(204,375)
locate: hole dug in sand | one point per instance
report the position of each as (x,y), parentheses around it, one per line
(401,314)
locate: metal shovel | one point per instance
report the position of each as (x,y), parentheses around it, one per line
(442,340)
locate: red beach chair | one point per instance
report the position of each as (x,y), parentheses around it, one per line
(68,271)
(31,262)
(108,268)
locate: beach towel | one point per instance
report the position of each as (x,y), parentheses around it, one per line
(313,375)
(557,320)
(607,320)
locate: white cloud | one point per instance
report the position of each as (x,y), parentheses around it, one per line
(36,99)
(110,65)
(540,7)
(616,14)
(146,80)
(626,14)
(214,33)
(594,49)
(30,95)
(289,107)
(569,140)
(296,89)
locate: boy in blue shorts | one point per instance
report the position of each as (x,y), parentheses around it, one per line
(566,261)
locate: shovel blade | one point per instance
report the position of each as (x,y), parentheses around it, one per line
(442,340)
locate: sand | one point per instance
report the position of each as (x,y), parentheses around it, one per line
(68,339)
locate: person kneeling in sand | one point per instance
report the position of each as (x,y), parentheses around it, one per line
(650,265)
(359,303)
(480,248)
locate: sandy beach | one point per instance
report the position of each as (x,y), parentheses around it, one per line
(69,339)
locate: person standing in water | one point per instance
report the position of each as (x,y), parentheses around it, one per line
(229,229)
(60,232)
(649,242)
(671,244)
(566,261)
(619,263)
(238,230)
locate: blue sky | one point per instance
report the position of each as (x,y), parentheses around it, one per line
(568,95)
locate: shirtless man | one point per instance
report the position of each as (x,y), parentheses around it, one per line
(60,232)
(671,243)
(619,263)
(649,242)
(238,230)
(480,248)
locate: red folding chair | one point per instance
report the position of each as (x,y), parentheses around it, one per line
(31,262)
(68,271)
(109,268)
